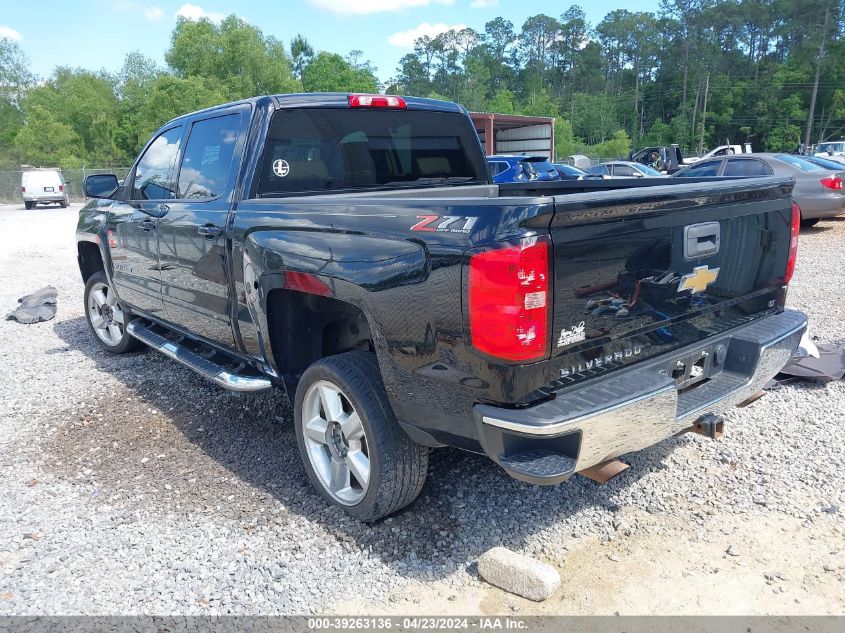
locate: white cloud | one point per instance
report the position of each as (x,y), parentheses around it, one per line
(373,6)
(405,39)
(153,14)
(194,12)
(8,33)
(483,4)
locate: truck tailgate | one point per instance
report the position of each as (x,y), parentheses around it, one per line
(641,272)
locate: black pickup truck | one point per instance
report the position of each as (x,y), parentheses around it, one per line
(352,251)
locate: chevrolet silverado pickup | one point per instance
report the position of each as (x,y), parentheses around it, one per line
(353,251)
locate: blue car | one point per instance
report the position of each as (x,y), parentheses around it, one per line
(521,169)
(568,172)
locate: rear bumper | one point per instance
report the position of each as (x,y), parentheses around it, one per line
(40,199)
(825,205)
(638,407)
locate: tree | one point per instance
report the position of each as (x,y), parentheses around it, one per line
(15,80)
(329,72)
(85,102)
(45,142)
(301,52)
(244,61)
(134,85)
(170,97)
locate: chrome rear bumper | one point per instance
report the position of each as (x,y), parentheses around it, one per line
(635,408)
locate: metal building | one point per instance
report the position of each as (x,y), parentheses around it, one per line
(515,134)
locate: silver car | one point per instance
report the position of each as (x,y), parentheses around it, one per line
(623,169)
(819,191)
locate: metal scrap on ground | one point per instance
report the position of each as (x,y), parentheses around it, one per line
(39,306)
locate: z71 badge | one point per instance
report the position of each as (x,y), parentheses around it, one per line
(445,223)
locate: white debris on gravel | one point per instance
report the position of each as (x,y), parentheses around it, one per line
(518,573)
(132,486)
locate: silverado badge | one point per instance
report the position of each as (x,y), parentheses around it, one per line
(698,279)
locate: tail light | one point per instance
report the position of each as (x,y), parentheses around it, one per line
(793,243)
(23,189)
(509,300)
(377,101)
(61,187)
(833,182)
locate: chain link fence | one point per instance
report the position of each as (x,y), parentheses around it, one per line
(10,182)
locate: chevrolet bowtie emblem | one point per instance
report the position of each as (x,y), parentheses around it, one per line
(698,279)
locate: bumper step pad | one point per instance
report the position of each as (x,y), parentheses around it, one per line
(538,464)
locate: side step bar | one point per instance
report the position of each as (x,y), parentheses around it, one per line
(232,380)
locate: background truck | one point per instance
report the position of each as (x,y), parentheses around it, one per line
(352,251)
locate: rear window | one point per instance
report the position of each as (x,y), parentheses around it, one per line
(800,163)
(538,165)
(831,147)
(497,167)
(324,150)
(569,170)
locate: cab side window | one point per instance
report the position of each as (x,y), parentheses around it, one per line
(208,156)
(747,167)
(152,180)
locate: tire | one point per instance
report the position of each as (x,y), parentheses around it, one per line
(64,203)
(106,318)
(28,205)
(809,223)
(397,467)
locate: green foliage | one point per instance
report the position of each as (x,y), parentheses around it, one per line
(83,102)
(329,72)
(244,61)
(565,143)
(502,102)
(169,97)
(617,146)
(45,141)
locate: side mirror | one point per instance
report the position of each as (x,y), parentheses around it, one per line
(99,185)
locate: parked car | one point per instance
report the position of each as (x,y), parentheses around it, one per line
(665,159)
(624,169)
(43,186)
(819,190)
(403,302)
(568,172)
(506,168)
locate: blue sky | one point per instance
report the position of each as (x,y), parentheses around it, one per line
(98,33)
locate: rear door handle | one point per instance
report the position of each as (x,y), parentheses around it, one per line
(209,231)
(147,225)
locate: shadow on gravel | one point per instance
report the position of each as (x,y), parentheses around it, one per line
(137,443)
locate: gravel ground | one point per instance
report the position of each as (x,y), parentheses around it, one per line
(134,487)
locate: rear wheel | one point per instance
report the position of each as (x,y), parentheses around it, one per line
(28,205)
(354,452)
(106,317)
(64,203)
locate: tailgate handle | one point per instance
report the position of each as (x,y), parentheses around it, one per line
(701,240)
